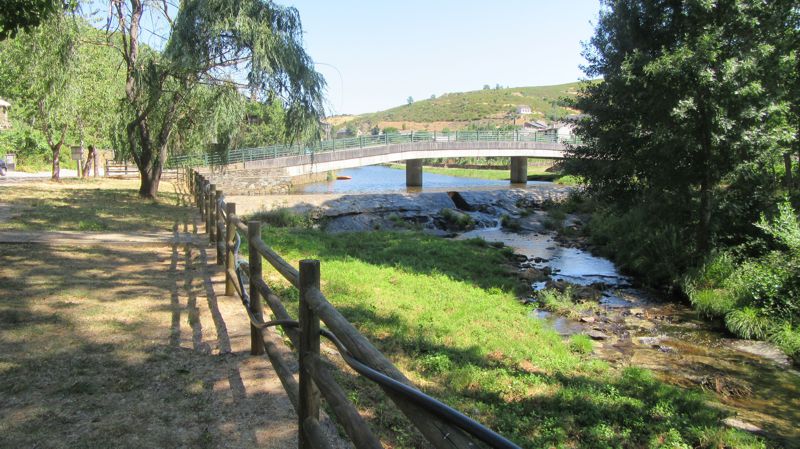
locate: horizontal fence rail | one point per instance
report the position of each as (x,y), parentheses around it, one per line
(241,155)
(443,426)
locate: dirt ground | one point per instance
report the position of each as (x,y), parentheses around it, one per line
(130,345)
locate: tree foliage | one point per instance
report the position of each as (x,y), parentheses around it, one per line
(214,50)
(24,15)
(687,116)
(62,85)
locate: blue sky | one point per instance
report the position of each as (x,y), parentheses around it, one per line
(374,54)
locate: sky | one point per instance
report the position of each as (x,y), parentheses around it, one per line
(375,54)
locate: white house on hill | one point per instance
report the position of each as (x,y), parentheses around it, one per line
(523,109)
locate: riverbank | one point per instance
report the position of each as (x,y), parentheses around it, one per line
(519,374)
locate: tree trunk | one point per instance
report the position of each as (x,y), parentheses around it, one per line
(704,225)
(90,159)
(150,179)
(787,163)
(56,176)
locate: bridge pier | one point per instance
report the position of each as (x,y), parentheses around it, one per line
(519,170)
(414,173)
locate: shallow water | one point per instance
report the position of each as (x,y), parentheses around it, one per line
(645,329)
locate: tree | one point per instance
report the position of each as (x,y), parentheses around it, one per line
(486,87)
(433,96)
(682,107)
(62,82)
(227,47)
(38,74)
(25,15)
(410,99)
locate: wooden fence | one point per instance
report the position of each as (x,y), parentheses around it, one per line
(126,170)
(441,425)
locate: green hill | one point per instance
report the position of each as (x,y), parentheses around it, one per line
(480,107)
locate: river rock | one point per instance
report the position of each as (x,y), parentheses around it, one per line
(533,275)
(353,223)
(741,425)
(761,349)
(651,341)
(597,335)
(587,319)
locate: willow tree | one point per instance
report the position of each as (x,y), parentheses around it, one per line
(226,46)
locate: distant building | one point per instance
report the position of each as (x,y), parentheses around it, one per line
(562,130)
(523,109)
(4,107)
(534,125)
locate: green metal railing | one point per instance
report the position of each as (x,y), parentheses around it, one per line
(275,151)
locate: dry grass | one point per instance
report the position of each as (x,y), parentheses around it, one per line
(88,205)
(126,346)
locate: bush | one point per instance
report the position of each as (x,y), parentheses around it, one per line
(283,217)
(640,243)
(748,323)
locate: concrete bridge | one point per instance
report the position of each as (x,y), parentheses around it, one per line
(282,162)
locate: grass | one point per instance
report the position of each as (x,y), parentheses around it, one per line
(446,312)
(87,205)
(492,105)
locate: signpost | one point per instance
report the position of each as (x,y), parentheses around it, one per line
(77,155)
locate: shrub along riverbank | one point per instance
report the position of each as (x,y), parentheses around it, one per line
(753,286)
(446,312)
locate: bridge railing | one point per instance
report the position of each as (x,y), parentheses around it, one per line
(443,426)
(240,155)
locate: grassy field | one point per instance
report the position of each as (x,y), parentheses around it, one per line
(446,312)
(87,205)
(480,104)
(535,173)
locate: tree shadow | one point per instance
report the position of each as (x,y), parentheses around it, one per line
(91,352)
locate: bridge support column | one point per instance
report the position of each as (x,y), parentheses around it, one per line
(414,173)
(519,170)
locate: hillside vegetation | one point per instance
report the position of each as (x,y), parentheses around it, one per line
(476,108)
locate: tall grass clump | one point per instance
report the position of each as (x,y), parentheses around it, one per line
(283,217)
(758,297)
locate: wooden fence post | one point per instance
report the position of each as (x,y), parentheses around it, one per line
(218,237)
(204,201)
(230,238)
(256,307)
(308,351)
(211,212)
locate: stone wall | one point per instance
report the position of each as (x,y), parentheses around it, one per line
(258,181)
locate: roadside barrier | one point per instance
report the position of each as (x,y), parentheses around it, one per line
(275,151)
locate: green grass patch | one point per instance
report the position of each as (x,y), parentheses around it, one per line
(446,312)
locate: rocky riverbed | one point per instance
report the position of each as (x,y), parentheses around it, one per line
(629,326)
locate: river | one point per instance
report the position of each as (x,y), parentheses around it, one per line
(632,326)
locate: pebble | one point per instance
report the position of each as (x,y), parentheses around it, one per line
(587,319)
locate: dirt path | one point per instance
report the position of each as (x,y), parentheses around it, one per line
(130,346)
